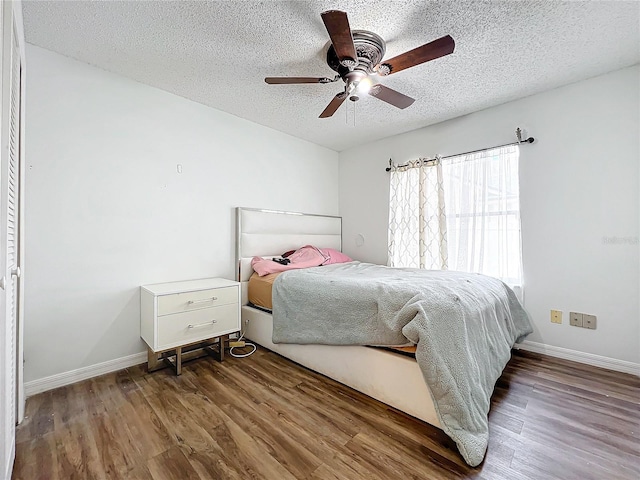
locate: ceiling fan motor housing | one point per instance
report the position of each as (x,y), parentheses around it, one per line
(370,50)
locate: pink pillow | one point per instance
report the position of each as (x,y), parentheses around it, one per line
(335,256)
(307,256)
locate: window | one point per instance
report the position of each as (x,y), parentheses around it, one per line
(461,213)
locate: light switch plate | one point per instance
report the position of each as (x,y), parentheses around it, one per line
(556,316)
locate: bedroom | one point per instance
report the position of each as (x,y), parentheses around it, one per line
(136,155)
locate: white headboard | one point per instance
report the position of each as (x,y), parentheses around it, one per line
(270,233)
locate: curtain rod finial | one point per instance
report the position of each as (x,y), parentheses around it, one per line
(388,169)
(519,135)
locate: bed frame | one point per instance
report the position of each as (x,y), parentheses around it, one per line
(391,378)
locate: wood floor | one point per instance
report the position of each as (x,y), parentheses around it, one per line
(265,417)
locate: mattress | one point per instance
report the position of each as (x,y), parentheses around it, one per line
(411,349)
(260,290)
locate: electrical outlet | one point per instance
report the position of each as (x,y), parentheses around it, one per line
(589,321)
(575,319)
(556,316)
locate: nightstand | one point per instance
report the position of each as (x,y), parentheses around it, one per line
(183,319)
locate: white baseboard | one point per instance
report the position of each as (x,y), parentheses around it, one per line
(73,376)
(581,357)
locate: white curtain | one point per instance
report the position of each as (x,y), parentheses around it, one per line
(483,213)
(417,225)
(461,213)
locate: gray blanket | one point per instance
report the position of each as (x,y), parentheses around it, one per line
(463,324)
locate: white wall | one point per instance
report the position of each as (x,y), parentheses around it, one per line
(579,185)
(107,211)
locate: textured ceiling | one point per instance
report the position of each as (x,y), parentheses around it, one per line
(218,53)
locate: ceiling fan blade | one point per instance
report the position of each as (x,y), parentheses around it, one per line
(430,51)
(390,96)
(290,80)
(334,105)
(339,31)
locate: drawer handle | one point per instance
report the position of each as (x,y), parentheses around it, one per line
(192,302)
(211,322)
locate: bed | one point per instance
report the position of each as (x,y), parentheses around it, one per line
(394,379)
(374,372)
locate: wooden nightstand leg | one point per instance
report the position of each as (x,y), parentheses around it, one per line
(179,361)
(222,340)
(152,360)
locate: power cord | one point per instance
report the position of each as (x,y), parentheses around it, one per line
(246,344)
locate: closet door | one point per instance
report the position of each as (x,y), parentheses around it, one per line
(10,165)
(13,213)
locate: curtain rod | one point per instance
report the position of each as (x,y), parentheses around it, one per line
(519,142)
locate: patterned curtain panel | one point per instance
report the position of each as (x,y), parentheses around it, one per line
(417,222)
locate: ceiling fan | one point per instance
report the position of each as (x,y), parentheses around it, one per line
(356,55)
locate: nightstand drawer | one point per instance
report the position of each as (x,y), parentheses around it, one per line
(182,328)
(190,301)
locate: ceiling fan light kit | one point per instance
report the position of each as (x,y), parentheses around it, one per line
(357,55)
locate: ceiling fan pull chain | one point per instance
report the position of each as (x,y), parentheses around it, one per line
(354,114)
(346,114)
